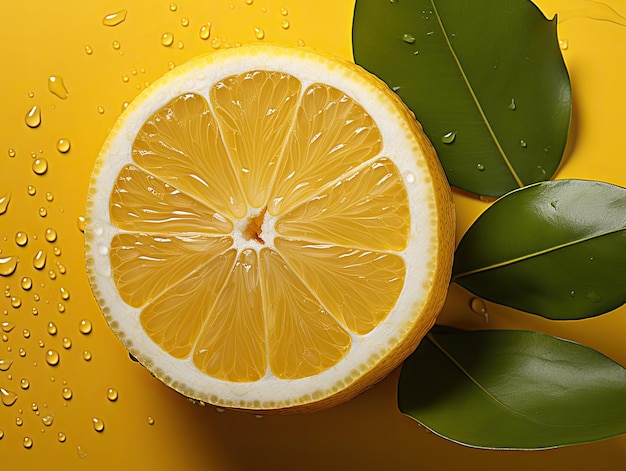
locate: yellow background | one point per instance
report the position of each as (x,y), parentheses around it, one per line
(43,38)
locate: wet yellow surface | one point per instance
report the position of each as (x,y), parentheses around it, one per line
(72,398)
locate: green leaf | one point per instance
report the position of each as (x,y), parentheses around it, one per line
(512,390)
(485,76)
(556,249)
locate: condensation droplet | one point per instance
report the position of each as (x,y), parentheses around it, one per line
(184,22)
(284,24)
(150,420)
(1,434)
(167,39)
(52,328)
(31,190)
(61,437)
(98,424)
(4,203)
(259,33)
(216,43)
(19,421)
(67,394)
(478,306)
(80,223)
(81,452)
(85,326)
(16,302)
(8,265)
(27,442)
(205,31)
(284,11)
(52,357)
(21,238)
(101,109)
(50,235)
(61,307)
(39,260)
(11,153)
(33,117)
(40,166)
(26,333)
(67,343)
(88,50)
(449,137)
(563,44)
(480,167)
(8,397)
(408,38)
(5,364)
(87,355)
(249,2)
(24,383)
(116,45)
(43,212)
(65,294)
(114,19)
(112,394)
(301,43)
(56,86)
(512,105)
(47,420)
(63,145)
(61,267)
(173,7)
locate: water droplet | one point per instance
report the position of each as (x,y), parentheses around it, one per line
(67,394)
(35,311)
(21,238)
(512,105)
(112,394)
(8,265)
(39,260)
(592,296)
(478,306)
(24,383)
(52,328)
(19,421)
(173,7)
(5,364)
(449,137)
(258,416)
(57,87)
(179,45)
(43,212)
(67,343)
(98,424)
(167,39)
(85,326)
(61,307)
(50,235)
(27,442)
(1,434)
(11,153)
(8,397)
(116,45)
(101,109)
(63,145)
(87,355)
(184,22)
(88,50)
(33,117)
(301,43)
(16,302)
(150,421)
(523,143)
(259,33)
(61,437)
(114,19)
(220,409)
(480,167)
(284,11)
(40,166)
(249,2)
(408,38)
(7,326)
(26,333)
(65,294)
(205,31)
(31,190)
(284,24)
(52,357)
(216,43)
(563,44)
(4,203)
(554,203)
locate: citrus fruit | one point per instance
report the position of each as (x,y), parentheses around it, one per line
(268,228)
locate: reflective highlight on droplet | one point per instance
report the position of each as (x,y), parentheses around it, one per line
(52,357)
(112,394)
(98,424)
(33,117)
(40,166)
(8,265)
(63,145)
(114,19)
(167,39)
(85,326)
(56,86)
(449,137)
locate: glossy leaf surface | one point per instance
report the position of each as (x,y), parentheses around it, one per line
(556,249)
(484,77)
(512,389)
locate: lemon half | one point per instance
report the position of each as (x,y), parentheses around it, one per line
(268,228)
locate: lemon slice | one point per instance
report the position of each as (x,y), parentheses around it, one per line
(268,228)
